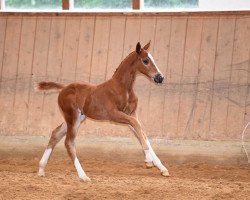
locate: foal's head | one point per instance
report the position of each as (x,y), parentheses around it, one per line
(146,64)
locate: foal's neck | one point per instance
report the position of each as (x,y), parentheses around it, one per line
(125,74)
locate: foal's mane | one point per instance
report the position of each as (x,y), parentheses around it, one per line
(124,60)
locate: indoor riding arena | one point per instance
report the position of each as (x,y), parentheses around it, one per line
(196,120)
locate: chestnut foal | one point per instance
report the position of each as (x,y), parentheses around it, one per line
(113,100)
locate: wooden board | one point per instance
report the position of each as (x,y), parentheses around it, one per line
(70,49)
(222,72)
(24,71)
(39,67)
(174,74)
(238,85)
(9,72)
(116,43)
(85,47)
(201,117)
(247,97)
(189,80)
(100,50)
(3,22)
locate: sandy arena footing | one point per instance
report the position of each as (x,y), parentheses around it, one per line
(218,170)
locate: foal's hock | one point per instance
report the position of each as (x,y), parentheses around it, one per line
(113,100)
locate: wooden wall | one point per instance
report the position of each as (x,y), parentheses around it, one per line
(205,57)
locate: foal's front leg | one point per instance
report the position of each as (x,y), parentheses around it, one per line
(148,158)
(151,159)
(150,155)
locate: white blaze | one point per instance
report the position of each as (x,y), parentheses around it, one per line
(153,61)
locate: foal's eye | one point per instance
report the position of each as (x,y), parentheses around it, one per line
(145,61)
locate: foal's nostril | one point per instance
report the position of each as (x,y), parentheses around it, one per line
(158,78)
(161,79)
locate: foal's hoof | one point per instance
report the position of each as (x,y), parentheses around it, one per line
(41,173)
(149,164)
(165,173)
(85,179)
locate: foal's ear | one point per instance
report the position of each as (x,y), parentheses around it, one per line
(146,47)
(138,48)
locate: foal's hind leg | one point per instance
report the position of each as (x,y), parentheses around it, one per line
(73,123)
(56,136)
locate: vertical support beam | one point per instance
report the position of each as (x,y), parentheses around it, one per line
(137,4)
(2,4)
(67,4)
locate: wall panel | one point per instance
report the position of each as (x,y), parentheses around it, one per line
(10,62)
(189,80)
(24,68)
(239,77)
(174,74)
(39,73)
(204,57)
(201,115)
(222,73)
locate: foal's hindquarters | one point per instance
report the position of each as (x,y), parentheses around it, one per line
(73,116)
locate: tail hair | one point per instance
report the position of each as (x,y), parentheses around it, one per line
(49,86)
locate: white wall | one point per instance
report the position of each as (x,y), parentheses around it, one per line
(224,4)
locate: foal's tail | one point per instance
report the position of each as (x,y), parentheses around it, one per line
(49,86)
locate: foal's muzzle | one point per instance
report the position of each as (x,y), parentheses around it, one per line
(158,78)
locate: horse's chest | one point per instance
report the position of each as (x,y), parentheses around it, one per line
(122,100)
